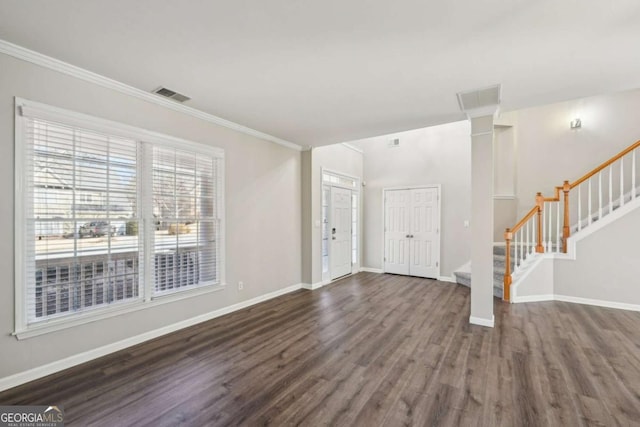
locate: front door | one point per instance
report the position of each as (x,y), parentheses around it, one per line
(340,232)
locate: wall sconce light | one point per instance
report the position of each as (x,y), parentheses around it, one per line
(576,124)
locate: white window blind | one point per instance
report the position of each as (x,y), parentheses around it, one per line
(78,255)
(91,197)
(184,204)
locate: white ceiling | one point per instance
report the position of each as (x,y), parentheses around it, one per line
(321,72)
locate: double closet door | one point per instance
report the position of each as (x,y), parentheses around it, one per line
(412,232)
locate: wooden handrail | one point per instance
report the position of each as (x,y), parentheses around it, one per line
(605,164)
(523,221)
(508,236)
(565,188)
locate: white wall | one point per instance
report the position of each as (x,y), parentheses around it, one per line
(434,155)
(606,267)
(549,152)
(263,212)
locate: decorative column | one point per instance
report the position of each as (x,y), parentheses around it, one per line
(482,220)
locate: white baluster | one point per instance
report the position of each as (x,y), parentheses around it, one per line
(534,243)
(515,253)
(633,174)
(622,182)
(550,243)
(599,194)
(579,207)
(544,226)
(522,247)
(558,228)
(589,202)
(610,189)
(526,246)
(533,234)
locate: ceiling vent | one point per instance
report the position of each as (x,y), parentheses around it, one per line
(168,93)
(480,101)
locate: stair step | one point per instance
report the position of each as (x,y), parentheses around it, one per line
(499,258)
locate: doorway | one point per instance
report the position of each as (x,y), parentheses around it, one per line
(412,231)
(340,223)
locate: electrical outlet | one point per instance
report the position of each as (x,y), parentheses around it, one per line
(240,286)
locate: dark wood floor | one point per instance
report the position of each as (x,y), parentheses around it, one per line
(369,350)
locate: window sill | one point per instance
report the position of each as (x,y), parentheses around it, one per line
(58,324)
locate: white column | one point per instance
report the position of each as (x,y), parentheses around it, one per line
(482,221)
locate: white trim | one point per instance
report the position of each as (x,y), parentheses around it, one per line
(596,302)
(37,58)
(504,197)
(33,109)
(482,321)
(59,365)
(449,279)
(143,139)
(317,285)
(371,270)
(532,298)
(19,225)
(352,147)
(577,300)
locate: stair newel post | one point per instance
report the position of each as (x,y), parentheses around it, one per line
(540,205)
(566,230)
(506,291)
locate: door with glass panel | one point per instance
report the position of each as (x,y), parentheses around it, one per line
(340,232)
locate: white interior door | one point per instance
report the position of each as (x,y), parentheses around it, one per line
(424,241)
(340,232)
(412,241)
(396,236)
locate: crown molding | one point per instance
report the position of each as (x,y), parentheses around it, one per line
(37,58)
(352,147)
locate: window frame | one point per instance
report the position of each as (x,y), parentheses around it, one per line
(145,140)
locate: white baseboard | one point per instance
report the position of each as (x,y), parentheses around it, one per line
(372,270)
(447,279)
(59,365)
(482,322)
(532,298)
(577,300)
(599,303)
(314,286)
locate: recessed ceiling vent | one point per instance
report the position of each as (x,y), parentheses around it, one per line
(168,93)
(480,101)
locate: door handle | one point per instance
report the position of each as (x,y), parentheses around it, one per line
(409,236)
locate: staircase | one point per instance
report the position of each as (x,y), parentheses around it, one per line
(575,206)
(499,259)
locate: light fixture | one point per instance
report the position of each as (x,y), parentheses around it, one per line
(576,124)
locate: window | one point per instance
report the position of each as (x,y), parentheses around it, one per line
(93,198)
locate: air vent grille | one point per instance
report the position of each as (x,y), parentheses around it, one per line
(171,94)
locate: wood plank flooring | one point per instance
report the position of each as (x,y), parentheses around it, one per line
(369,350)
